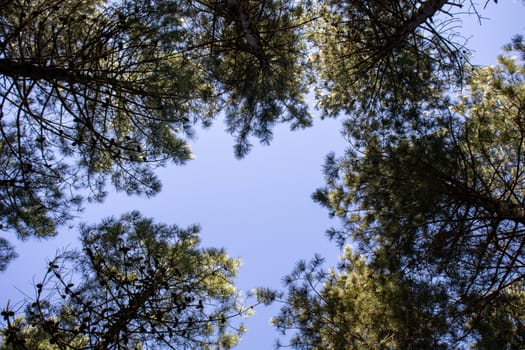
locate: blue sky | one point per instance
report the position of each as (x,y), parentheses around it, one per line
(258,208)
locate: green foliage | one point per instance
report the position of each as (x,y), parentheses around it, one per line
(265,79)
(500,325)
(135,283)
(96,92)
(431,190)
(380,60)
(250,56)
(80,104)
(7,253)
(445,204)
(454,192)
(18,335)
(362,305)
(358,306)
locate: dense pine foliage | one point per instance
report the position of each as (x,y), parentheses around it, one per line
(95,95)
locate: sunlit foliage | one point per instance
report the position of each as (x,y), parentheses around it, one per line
(443,205)
(135,283)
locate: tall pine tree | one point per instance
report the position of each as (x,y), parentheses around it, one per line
(134,284)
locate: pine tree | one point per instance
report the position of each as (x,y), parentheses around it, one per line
(95,92)
(445,203)
(379,59)
(134,284)
(358,306)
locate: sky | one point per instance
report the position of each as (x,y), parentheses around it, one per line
(258,208)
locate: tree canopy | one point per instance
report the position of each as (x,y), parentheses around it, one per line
(95,91)
(437,214)
(134,283)
(376,60)
(97,94)
(359,305)
(450,194)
